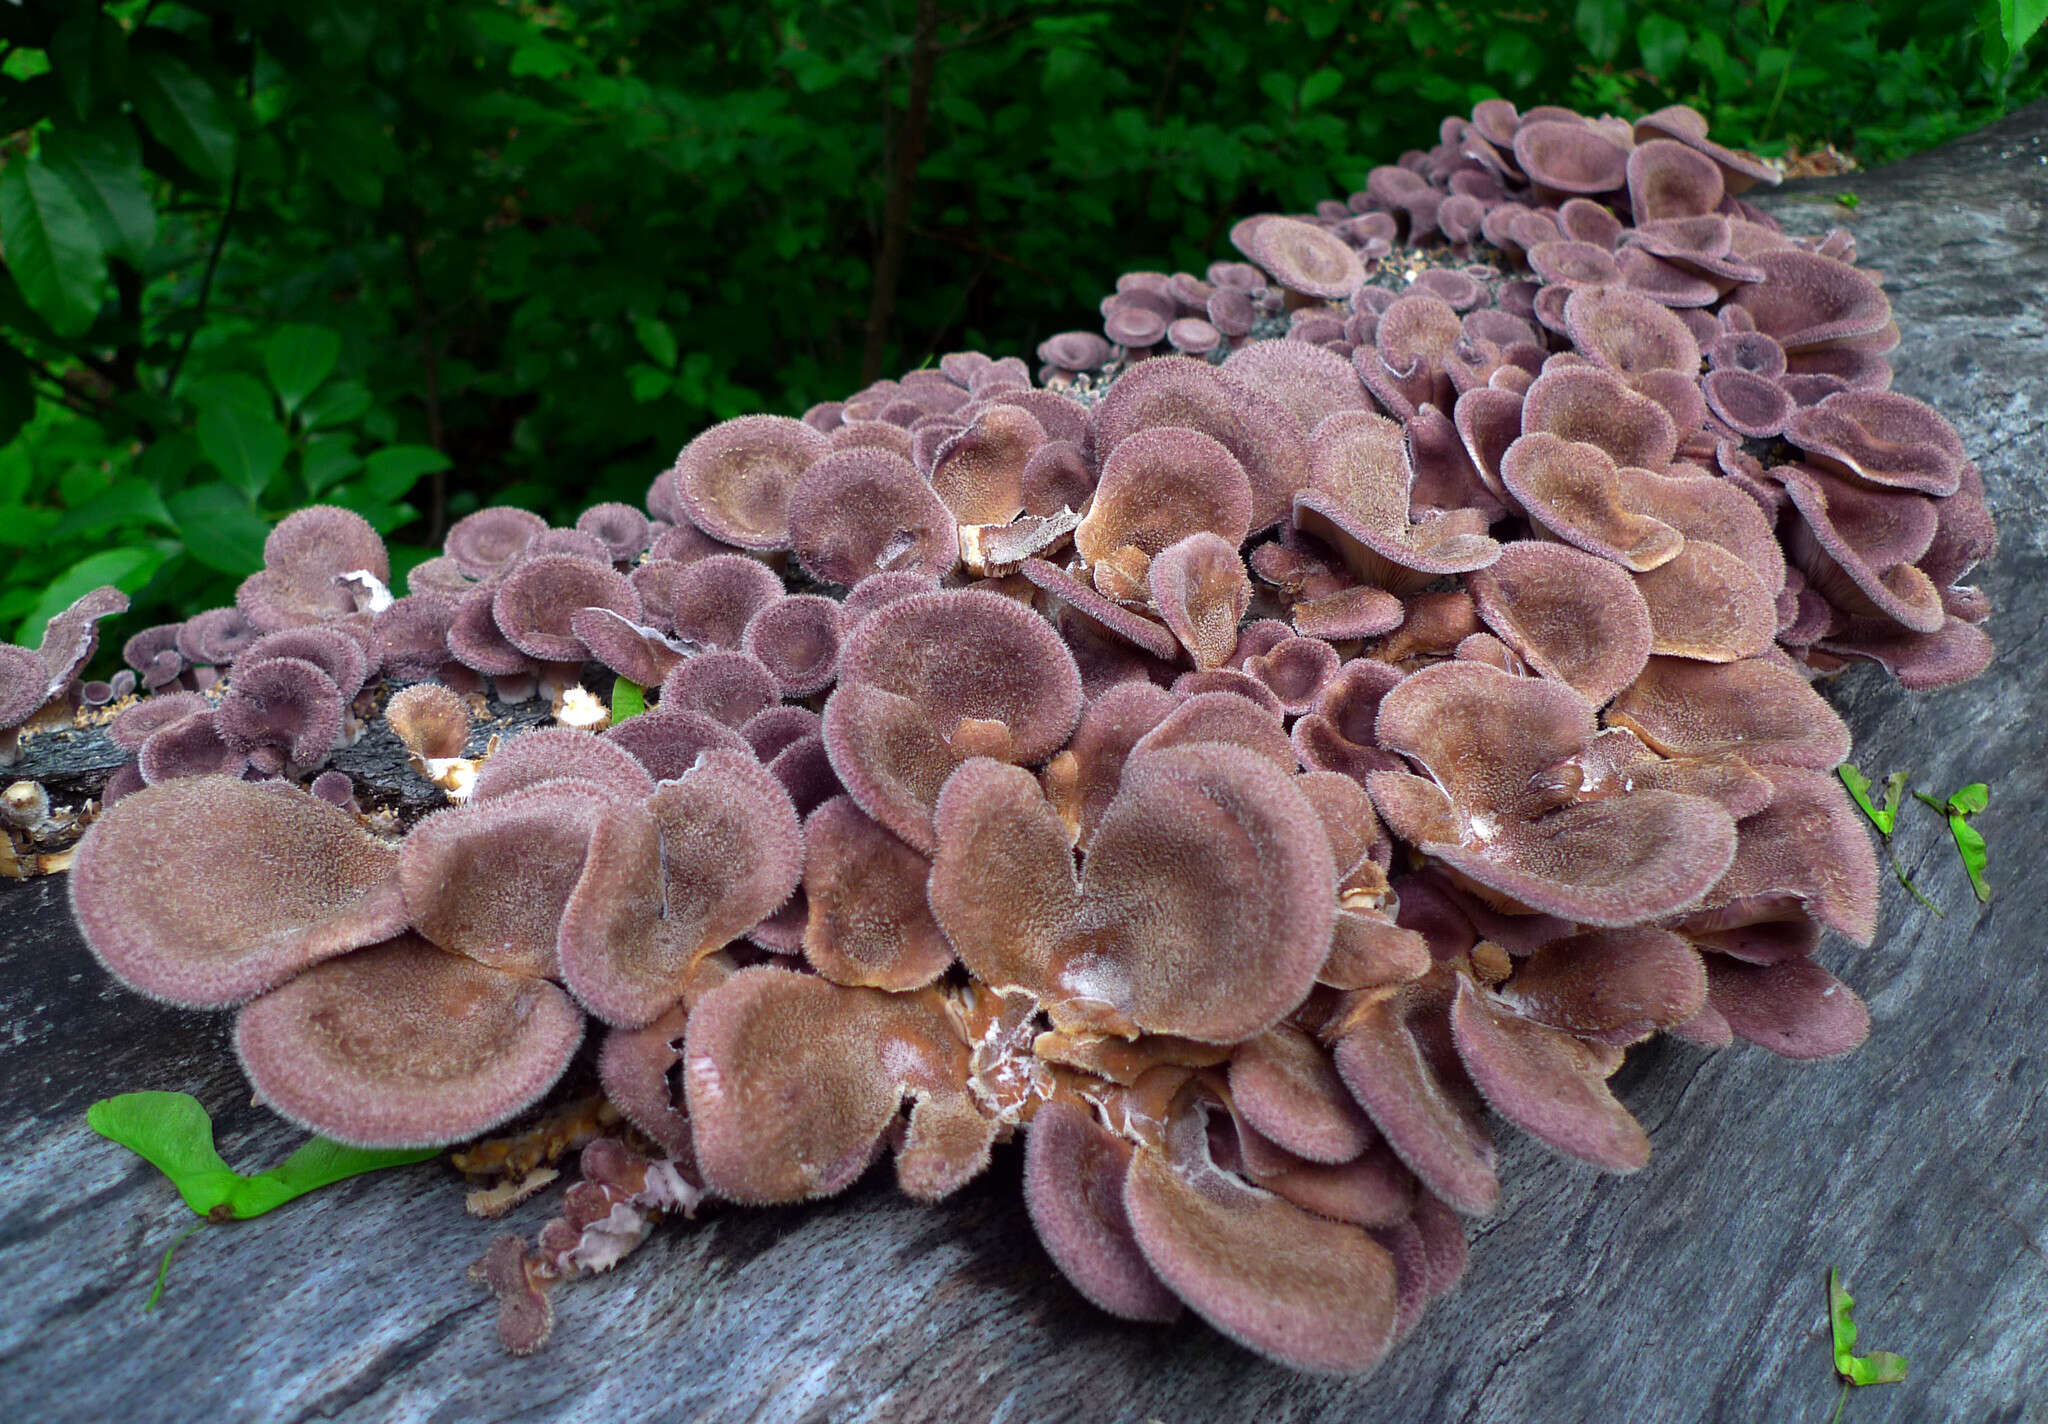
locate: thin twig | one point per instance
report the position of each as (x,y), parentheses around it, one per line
(430,359)
(220,242)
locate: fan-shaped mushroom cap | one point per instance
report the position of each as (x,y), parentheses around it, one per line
(1570,157)
(139,720)
(304,557)
(1074,351)
(726,686)
(1300,256)
(409,636)
(1160,485)
(1549,1084)
(71,636)
(1617,986)
(1667,179)
(1629,334)
(797,640)
(1708,604)
(1359,504)
(1740,172)
(401,1045)
(1881,438)
(1221,717)
(1314,1294)
(1286,1087)
(773,728)
(1807,852)
(438,577)
(553,753)
(1309,381)
(534,602)
(216,636)
(333,652)
(190,746)
(432,721)
(931,680)
(476,641)
(857,513)
(638,652)
(1202,860)
(1751,405)
(489,880)
(1574,264)
(735,479)
(487,543)
(1101,611)
(667,742)
(145,652)
(1574,490)
(1295,671)
(1395,1056)
(805,770)
(869,923)
(792,1080)
(1807,299)
(286,705)
(716,597)
(1200,588)
(979,472)
(1484,737)
(1755,709)
(1922,662)
(1571,615)
(667,882)
(1855,546)
(879,591)
(205,891)
(1074,1173)
(1587,404)
(1257,430)
(1413,341)
(1794,1008)
(621,528)
(635,1066)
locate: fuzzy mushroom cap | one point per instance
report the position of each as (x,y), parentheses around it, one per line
(668,742)
(1570,157)
(1881,438)
(1312,1293)
(857,513)
(285,704)
(728,687)
(555,753)
(534,603)
(304,557)
(674,879)
(1311,382)
(432,721)
(735,479)
(332,651)
(638,652)
(24,685)
(621,528)
(931,680)
(215,637)
(1753,708)
(1301,257)
(1571,615)
(1159,486)
(404,1045)
(797,640)
(715,598)
(1575,491)
(1200,589)
(868,923)
(487,543)
(792,1080)
(1074,1173)
(1586,403)
(204,891)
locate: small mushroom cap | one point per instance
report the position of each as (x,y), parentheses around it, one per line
(726,686)
(1629,334)
(1708,604)
(190,746)
(1614,985)
(1311,382)
(792,1080)
(332,651)
(489,880)
(1396,1057)
(1221,716)
(431,720)
(409,636)
(1571,615)
(716,597)
(665,884)
(71,636)
(1569,157)
(773,728)
(1807,850)
(1881,438)
(1074,1173)
(638,652)
(1752,708)
(216,636)
(869,923)
(139,720)
(553,753)
(1160,485)
(1286,1087)
(621,528)
(488,542)
(735,479)
(636,1066)
(1313,1294)
(533,603)
(1574,490)
(315,545)
(979,472)
(205,891)
(476,642)
(1301,257)
(1588,404)
(1667,179)
(403,1045)
(667,742)
(797,640)
(858,513)
(1200,588)
(1795,1008)
(1295,670)
(283,703)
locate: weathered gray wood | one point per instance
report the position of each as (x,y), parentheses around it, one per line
(1692,1291)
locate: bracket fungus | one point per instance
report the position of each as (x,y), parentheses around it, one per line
(1249,768)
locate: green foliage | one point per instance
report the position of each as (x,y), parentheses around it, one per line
(1877,1367)
(629,699)
(411,258)
(1886,819)
(1958,808)
(173,1132)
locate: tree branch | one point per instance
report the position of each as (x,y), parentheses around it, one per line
(220,241)
(430,360)
(902,181)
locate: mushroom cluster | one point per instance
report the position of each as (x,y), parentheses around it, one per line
(1323,719)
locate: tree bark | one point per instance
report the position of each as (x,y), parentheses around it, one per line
(924,58)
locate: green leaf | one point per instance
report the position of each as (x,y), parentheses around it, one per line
(1849,201)
(128,569)
(89,53)
(648,383)
(656,340)
(327,460)
(220,527)
(1514,56)
(1601,24)
(297,359)
(52,247)
(17,395)
(1774,11)
(392,471)
(189,116)
(173,1133)
(1859,792)
(1879,1366)
(1663,42)
(125,501)
(2019,20)
(1970,845)
(1970,800)
(103,169)
(629,699)
(336,404)
(246,445)
(1320,86)
(1279,87)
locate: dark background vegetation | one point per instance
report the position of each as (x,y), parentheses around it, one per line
(412,257)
